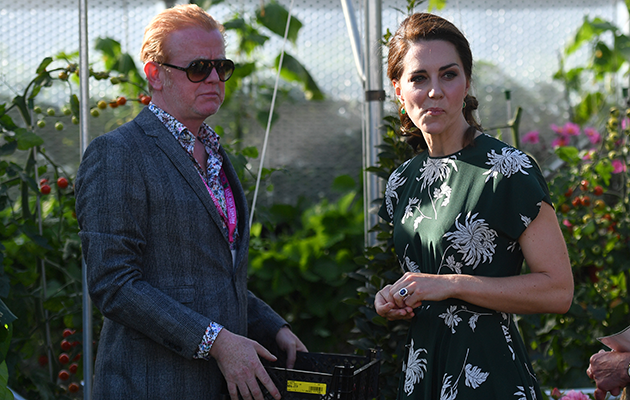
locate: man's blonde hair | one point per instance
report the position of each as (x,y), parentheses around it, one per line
(170,20)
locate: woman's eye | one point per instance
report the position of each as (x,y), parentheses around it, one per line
(450,75)
(418,78)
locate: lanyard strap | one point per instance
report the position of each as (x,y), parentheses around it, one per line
(230,204)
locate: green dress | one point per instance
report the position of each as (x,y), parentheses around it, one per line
(463,214)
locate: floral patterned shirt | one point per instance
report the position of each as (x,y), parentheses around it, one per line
(463,214)
(210,175)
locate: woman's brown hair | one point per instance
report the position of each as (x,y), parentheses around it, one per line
(426,26)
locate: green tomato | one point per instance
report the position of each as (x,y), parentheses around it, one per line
(95,112)
(37,109)
(41,123)
(51,112)
(59,126)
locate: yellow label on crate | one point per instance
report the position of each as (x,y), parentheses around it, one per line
(306,387)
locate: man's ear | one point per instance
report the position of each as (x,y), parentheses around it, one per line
(154,75)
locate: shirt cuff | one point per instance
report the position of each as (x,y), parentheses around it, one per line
(203,352)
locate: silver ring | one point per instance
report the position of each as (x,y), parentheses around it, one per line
(403,292)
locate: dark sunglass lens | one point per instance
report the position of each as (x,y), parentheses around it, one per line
(225,68)
(198,70)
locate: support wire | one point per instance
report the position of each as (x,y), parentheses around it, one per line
(273,104)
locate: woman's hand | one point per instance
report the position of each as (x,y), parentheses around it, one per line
(387,307)
(418,287)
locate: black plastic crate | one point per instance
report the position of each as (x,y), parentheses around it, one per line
(323,376)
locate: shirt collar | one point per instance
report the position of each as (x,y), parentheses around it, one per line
(207,135)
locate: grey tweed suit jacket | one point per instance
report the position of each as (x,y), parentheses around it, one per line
(159,265)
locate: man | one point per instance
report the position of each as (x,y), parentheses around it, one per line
(611,372)
(165,236)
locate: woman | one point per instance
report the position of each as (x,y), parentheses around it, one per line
(467,210)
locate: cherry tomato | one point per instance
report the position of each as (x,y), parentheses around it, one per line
(45,189)
(584,185)
(42,360)
(73,368)
(598,191)
(64,358)
(64,375)
(62,183)
(65,345)
(73,387)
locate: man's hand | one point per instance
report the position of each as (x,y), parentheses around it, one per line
(290,344)
(240,365)
(609,370)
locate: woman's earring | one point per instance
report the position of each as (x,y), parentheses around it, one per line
(464,105)
(403,111)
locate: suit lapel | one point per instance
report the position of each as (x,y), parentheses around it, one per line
(167,143)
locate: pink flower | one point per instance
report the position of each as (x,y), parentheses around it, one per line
(531,137)
(574,395)
(567,223)
(593,135)
(556,128)
(618,166)
(571,129)
(556,394)
(595,138)
(560,141)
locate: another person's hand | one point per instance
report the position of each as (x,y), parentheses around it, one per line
(290,344)
(239,362)
(609,370)
(386,307)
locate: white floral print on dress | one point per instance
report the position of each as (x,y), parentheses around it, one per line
(474,239)
(509,162)
(415,368)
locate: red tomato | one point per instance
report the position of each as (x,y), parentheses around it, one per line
(65,345)
(64,358)
(64,375)
(73,368)
(62,183)
(73,387)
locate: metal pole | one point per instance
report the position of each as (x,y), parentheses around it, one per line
(374,97)
(84,78)
(353,32)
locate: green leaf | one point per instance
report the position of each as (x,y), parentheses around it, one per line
(125,64)
(604,169)
(42,66)
(294,71)
(250,152)
(6,316)
(569,154)
(5,393)
(343,183)
(74,105)
(587,32)
(436,5)
(206,4)
(27,139)
(20,103)
(111,51)
(8,148)
(274,16)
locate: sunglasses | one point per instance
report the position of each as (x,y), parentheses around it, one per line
(199,70)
